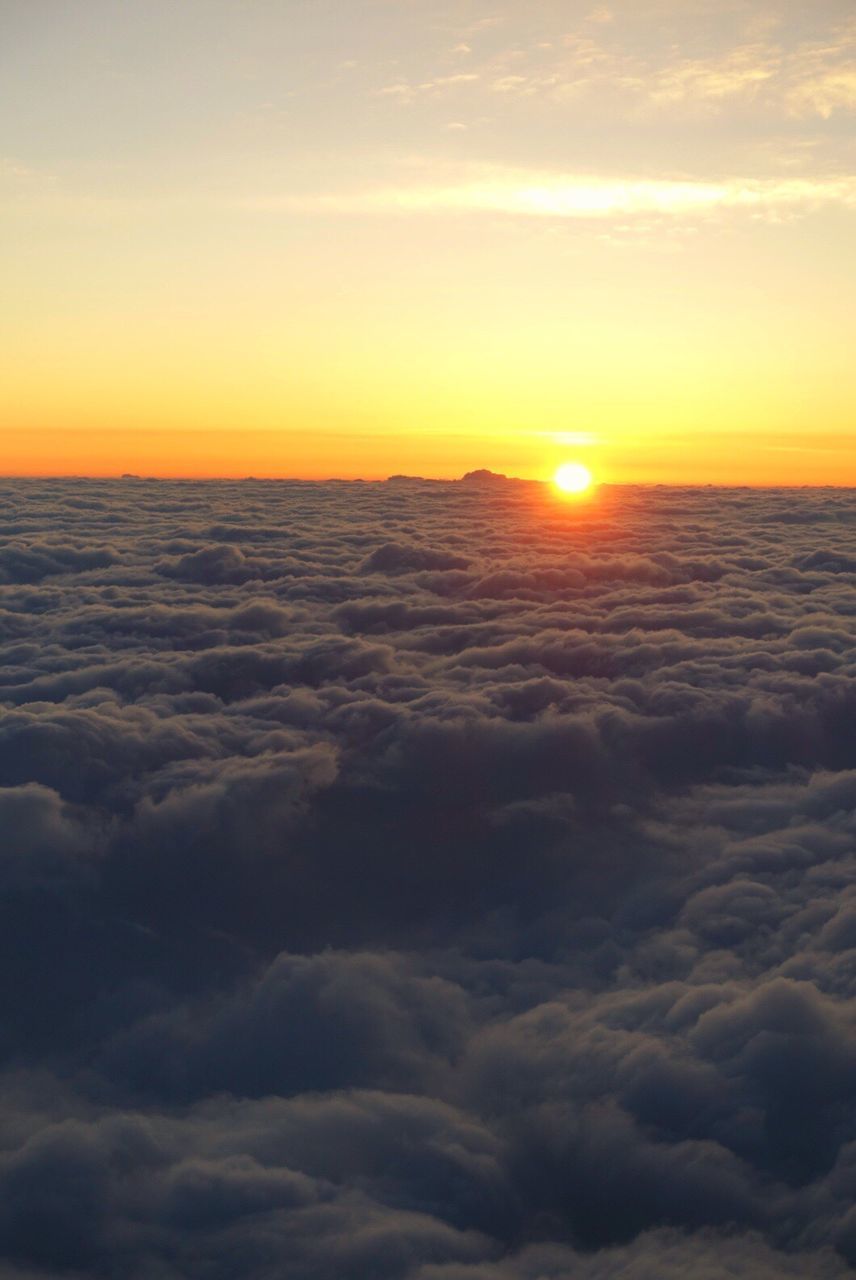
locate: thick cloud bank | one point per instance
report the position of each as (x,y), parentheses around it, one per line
(422,881)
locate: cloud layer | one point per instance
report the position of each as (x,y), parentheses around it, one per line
(427,881)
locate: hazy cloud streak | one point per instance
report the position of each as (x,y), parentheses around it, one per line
(556,195)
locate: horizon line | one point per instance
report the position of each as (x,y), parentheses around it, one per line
(496,478)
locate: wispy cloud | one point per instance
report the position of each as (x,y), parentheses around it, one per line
(406,92)
(555,195)
(743,71)
(811,76)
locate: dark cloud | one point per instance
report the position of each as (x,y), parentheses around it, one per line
(394,557)
(426,882)
(36,560)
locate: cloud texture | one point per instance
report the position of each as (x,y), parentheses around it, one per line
(427,881)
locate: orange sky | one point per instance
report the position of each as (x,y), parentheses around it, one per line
(345,455)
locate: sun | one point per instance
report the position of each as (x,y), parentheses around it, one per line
(573,477)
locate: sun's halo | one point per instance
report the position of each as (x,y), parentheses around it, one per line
(573,477)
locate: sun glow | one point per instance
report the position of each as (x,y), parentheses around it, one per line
(573,477)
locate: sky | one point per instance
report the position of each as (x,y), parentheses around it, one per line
(352,239)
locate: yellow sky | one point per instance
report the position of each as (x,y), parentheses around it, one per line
(363,238)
